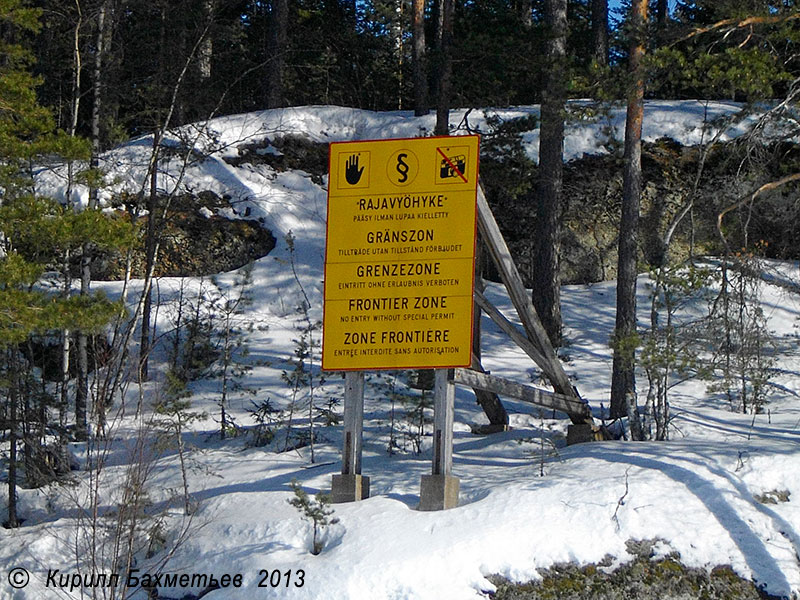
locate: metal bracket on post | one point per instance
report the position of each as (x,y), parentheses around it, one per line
(439,490)
(351,485)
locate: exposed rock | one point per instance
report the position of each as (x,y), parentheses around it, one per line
(592,191)
(642,579)
(284,153)
(195,244)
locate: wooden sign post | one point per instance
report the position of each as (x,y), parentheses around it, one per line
(439,490)
(351,485)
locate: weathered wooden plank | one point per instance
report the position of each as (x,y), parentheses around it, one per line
(353,422)
(548,361)
(444,395)
(508,328)
(489,402)
(578,411)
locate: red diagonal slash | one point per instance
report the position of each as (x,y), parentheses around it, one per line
(451,165)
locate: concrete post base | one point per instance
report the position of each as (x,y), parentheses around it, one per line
(438,492)
(349,488)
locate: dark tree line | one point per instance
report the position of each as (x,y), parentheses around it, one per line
(234,56)
(242,55)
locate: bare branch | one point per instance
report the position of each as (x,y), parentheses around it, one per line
(767,187)
(730,25)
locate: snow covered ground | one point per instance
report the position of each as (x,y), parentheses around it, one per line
(527,501)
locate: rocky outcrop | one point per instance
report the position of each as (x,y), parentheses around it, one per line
(195,241)
(674,176)
(644,578)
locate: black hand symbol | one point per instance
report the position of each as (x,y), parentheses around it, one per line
(352,173)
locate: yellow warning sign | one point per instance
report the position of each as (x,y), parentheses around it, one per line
(400,252)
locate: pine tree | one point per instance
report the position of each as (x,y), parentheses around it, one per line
(277,46)
(174,416)
(444,67)
(419,58)
(34,229)
(728,49)
(547,278)
(623,381)
(317,511)
(232,336)
(600,31)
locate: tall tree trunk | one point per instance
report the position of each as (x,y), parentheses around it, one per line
(445,67)
(82,389)
(433,79)
(397,34)
(276,53)
(547,279)
(662,13)
(420,70)
(81,395)
(205,51)
(623,383)
(97,90)
(150,259)
(66,342)
(600,31)
(151,240)
(13,437)
(77,68)
(157,214)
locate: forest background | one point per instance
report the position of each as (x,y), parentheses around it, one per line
(84,76)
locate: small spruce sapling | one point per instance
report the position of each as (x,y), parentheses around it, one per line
(178,321)
(328,413)
(295,379)
(410,422)
(669,353)
(193,346)
(306,349)
(417,409)
(173,416)
(266,416)
(317,511)
(743,357)
(232,335)
(394,396)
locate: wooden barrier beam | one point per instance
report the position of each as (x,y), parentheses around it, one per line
(578,411)
(509,328)
(547,359)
